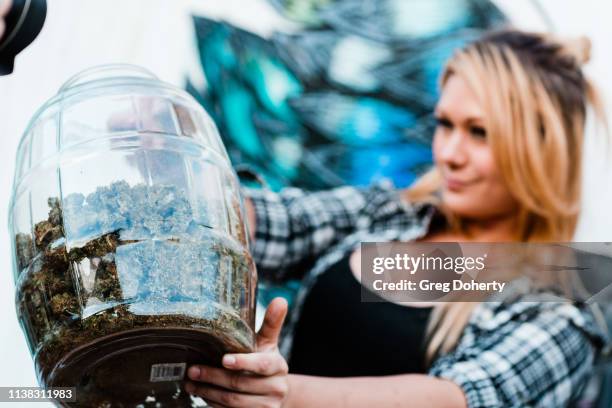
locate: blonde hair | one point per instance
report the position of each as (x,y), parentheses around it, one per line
(535,97)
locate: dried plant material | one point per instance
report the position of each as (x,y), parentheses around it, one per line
(123,259)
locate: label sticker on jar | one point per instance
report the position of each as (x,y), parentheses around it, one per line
(167,372)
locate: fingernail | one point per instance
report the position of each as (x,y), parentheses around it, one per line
(229,360)
(194,372)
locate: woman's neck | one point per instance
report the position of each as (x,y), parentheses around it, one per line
(496,229)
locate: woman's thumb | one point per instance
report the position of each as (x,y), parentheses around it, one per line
(272,324)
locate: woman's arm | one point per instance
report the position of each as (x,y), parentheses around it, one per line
(293,225)
(531,354)
(261,380)
(412,390)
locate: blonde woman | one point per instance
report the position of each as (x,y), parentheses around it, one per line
(507,152)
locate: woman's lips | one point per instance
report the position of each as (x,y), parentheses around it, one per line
(454,184)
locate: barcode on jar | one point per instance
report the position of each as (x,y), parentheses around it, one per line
(167,372)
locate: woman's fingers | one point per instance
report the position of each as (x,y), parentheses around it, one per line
(239,381)
(257,379)
(264,364)
(214,395)
(267,337)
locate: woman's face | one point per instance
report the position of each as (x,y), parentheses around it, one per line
(472,184)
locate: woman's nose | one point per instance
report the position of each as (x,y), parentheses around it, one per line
(453,150)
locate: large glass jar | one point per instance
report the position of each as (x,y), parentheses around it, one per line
(130,254)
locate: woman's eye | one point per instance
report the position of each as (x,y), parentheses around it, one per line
(478,131)
(445,123)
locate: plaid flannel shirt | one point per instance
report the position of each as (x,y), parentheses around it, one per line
(510,354)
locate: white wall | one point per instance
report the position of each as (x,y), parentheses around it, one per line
(590,18)
(157,34)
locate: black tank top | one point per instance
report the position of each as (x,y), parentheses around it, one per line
(338,335)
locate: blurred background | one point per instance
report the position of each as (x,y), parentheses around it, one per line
(311,93)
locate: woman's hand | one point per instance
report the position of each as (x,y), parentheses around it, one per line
(251,380)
